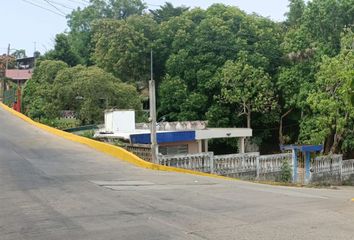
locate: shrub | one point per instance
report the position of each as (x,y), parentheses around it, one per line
(286,175)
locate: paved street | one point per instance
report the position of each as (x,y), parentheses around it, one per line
(55,189)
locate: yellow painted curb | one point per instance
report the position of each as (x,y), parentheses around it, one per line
(114,151)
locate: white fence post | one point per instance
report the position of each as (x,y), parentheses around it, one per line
(211,157)
(257,168)
(341,168)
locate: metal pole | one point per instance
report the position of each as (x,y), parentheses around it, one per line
(152,96)
(7,58)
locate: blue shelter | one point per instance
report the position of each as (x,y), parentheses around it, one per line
(305,158)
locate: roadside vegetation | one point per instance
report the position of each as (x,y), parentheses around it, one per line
(289,81)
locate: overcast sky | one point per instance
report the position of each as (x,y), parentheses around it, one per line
(26,26)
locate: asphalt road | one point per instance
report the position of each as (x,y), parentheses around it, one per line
(51,188)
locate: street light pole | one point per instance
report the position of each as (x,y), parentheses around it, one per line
(152,97)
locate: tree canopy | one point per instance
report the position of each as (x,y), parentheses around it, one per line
(290,81)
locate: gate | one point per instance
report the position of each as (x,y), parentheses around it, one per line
(10,97)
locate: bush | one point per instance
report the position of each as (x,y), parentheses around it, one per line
(88,134)
(286,175)
(61,123)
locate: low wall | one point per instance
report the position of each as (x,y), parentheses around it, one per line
(270,166)
(201,162)
(236,165)
(332,169)
(248,166)
(348,171)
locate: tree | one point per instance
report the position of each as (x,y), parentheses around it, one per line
(63,51)
(248,87)
(123,47)
(37,94)
(89,91)
(296,11)
(172,92)
(167,11)
(332,114)
(324,21)
(80,22)
(20,53)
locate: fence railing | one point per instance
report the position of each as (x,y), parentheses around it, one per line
(202,162)
(235,163)
(329,168)
(347,167)
(273,163)
(246,165)
(327,164)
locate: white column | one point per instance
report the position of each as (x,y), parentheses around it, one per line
(206,145)
(242,145)
(200,149)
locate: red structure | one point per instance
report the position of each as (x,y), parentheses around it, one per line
(17,104)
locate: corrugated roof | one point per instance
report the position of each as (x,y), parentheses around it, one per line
(19,74)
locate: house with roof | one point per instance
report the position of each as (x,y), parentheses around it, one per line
(172,137)
(22,72)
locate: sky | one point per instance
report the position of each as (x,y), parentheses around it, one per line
(30,27)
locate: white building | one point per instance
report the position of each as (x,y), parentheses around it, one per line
(172,137)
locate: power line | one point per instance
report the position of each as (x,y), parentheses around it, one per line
(47,9)
(58,9)
(82,2)
(62,5)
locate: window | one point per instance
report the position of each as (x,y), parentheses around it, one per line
(174,150)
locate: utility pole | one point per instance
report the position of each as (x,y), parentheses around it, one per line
(152,97)
(7,57)
(35,47)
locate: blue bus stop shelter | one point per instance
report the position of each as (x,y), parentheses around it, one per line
(306,151)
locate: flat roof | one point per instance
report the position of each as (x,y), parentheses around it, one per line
(210,133)
(143,135)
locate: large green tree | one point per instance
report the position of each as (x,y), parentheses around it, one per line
(332,116)
(80,21)
(89,91)
(123,47)
(167,11)
(37,94)
(247,87)
(63,51)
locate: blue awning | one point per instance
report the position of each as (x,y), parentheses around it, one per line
(164,137)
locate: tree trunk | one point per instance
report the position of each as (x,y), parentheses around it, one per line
(328,143)
(249,119)
(338,137)
(336,140)
(281,137)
